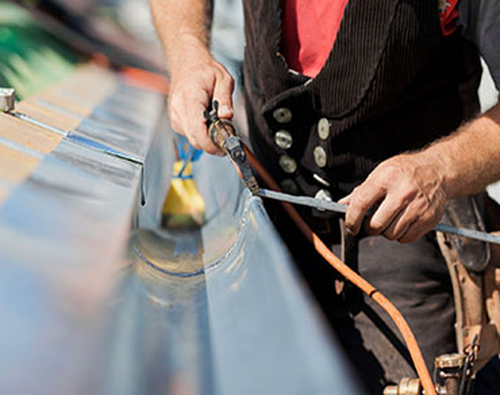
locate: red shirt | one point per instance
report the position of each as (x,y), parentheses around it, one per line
(309,30)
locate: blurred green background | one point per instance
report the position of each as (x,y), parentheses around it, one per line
(31,58)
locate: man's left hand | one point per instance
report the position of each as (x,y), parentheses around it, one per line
(404,196)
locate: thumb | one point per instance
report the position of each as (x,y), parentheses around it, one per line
(223,93)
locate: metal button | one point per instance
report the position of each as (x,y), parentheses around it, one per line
(283,139)
(7,99)
(289,186)
(288,164)
(324,128)
(282,115)
(323,194)
(320,156)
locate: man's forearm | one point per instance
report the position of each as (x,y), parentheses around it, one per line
(471,156)
(196,78)
(182,25)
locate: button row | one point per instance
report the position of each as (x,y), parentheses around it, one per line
(283,115)
(289,165)
(284,140)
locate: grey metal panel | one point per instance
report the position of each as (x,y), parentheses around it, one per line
(63,236)
(122,120)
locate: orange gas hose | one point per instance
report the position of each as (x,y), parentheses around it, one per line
(353,277)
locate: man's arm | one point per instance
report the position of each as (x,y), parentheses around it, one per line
(195,77)
(410,191)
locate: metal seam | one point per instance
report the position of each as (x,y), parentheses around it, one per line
(97,146)
(38,123)
(105,149)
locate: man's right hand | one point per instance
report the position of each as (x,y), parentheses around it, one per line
(197,79)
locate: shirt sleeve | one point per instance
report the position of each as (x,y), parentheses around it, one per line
(480,21)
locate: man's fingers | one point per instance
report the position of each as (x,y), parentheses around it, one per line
(414,232)
(223,93)
(196,106)
(421,222)
(399,225)
(196,129)
(361,199)
(192,90)
(384,215)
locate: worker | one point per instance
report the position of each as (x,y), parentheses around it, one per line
(372,102)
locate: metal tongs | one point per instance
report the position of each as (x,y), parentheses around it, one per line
(223,134)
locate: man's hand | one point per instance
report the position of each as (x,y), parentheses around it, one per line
(196,79)
(406,195)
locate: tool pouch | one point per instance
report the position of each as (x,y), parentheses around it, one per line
(474,268)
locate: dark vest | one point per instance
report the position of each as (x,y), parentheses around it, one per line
(392,83)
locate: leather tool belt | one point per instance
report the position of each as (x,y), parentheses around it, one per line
(474,268)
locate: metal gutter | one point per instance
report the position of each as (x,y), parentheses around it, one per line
(97,299)
(220,310)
